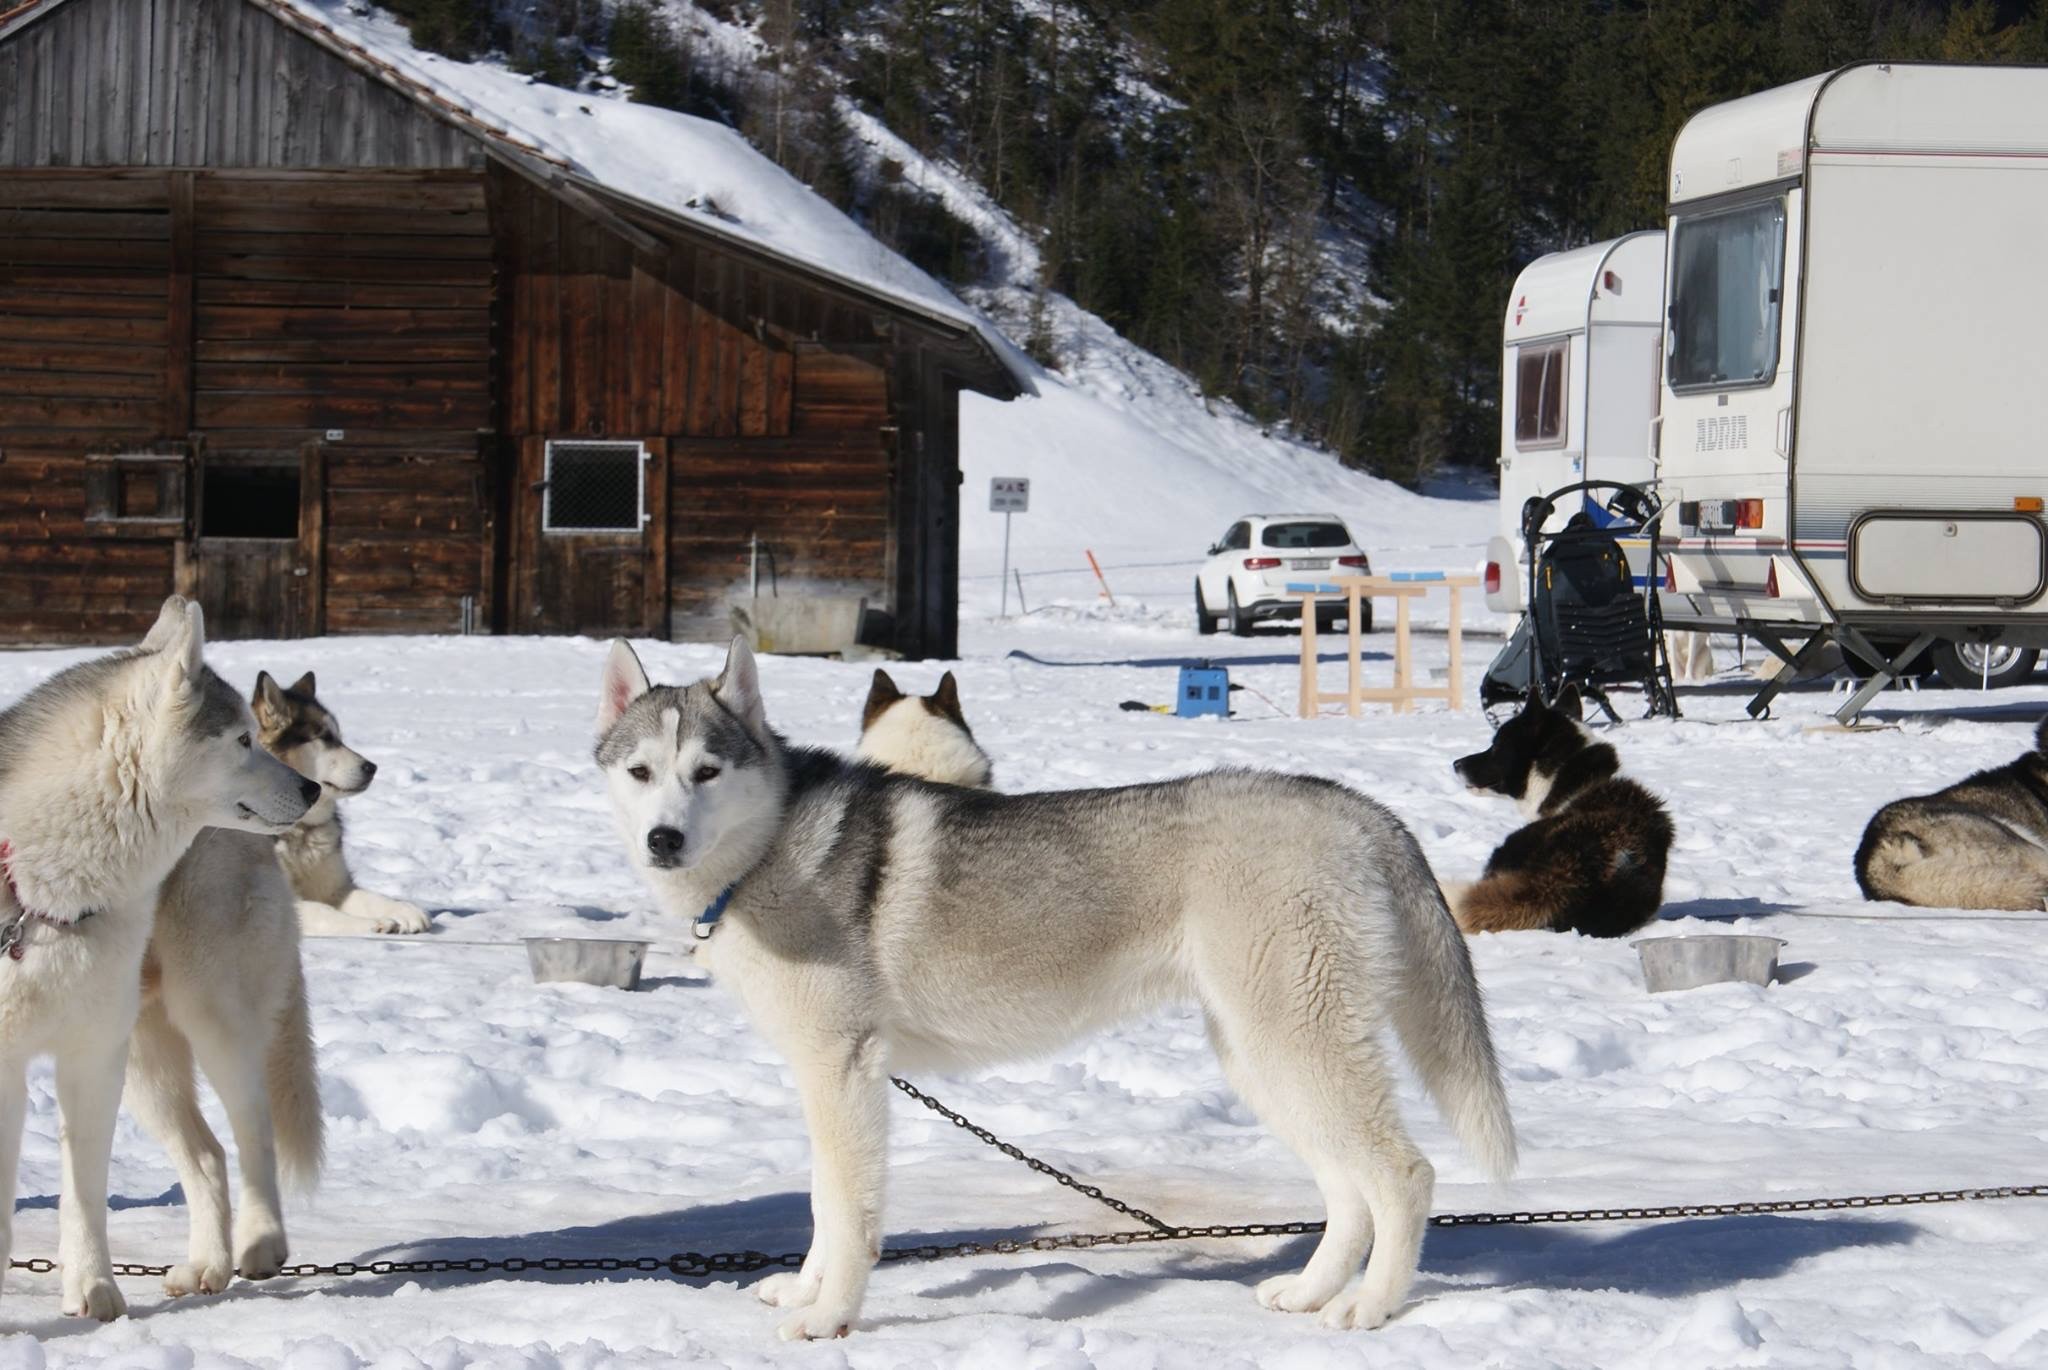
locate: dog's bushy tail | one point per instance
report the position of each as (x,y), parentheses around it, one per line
(293,1077)
(1441,1020)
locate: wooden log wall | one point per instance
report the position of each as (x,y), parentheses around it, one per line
(84,352)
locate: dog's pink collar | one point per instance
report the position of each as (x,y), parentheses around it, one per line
(15,930)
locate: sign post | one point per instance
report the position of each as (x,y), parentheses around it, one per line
(1009,495)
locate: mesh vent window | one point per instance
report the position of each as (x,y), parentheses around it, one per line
(593,487)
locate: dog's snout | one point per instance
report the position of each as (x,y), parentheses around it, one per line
(369,771)
(309,790)
(665,844)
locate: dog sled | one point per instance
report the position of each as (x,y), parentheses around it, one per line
(1589,622)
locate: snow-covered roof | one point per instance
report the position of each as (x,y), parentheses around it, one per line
(699,175)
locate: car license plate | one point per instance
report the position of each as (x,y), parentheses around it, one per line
(1311,564)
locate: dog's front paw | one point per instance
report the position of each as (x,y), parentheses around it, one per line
(388,915)
(94,1298)
(262,1257)
(817,1323)
(1292,1294)
(1361,1310)
(790,1289)
(197,1277)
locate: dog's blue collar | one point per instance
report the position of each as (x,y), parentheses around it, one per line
(707,921)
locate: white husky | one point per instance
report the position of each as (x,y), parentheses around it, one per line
(921,735)
(871,922)
(107,773)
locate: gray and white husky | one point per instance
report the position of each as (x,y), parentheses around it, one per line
(305,735)
(108,771)
(1982,843)
(873,922)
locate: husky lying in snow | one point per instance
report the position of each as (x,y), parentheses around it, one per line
(926,737)
(873,922)
(1592,859)
(305,736)
(1982,843)
(108,771)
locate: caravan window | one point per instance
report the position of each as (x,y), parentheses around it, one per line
(1727,274)
(1539,394)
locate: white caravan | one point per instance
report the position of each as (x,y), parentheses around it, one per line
(1583,342)
(1854,430)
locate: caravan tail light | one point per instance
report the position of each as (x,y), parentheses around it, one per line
(1771,581)
(1260,563)
(2026,504)
(1749,513)
(1493,577)
(1670,577)
(1355,563)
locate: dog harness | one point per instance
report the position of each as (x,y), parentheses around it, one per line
(707,921)
(14,932)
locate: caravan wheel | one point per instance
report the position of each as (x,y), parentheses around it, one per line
(1982,665)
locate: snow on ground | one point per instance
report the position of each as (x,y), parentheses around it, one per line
(472,1111)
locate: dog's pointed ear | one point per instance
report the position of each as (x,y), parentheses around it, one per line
(304,685)
(946,699)
(169,620)
(180,643)
(624,682)
(738,687)
(882,692)
(1569,703)
(268,701)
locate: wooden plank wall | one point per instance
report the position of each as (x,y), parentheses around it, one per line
(360,305)
(200,83)
(84,325)
(772,399)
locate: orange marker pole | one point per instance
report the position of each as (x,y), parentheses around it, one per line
(1097,567)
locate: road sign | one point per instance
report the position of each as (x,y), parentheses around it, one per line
(1009,495)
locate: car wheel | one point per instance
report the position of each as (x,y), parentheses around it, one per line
(1240,621)
(1205,622)
(1328,619)
(1985,665)
(1364,615)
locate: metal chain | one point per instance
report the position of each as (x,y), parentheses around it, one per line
(697,1264)
(1042,1167)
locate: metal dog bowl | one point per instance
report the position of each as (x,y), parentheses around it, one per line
(608,961)
(1689,962)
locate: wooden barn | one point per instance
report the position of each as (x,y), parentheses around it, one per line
(289,328)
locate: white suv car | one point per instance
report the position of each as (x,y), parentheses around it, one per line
(1248,571)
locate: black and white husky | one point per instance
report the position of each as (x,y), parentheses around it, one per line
(1592,858)
(1982,843)
(108,771)
(304,734)
(873,922)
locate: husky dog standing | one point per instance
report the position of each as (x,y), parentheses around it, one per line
(925,736)
(108,771)
(1592,858)
(873,922)
(1982,843)
(298,731)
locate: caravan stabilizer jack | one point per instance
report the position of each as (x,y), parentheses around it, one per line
(1889,669)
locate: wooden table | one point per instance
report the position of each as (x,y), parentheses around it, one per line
(1400,587)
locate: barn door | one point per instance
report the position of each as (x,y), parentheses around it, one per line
(593,537)
(254,563)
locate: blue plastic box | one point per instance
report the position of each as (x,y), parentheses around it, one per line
(1203,690)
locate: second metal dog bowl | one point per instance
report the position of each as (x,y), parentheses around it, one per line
(1689,962)
(607,961)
